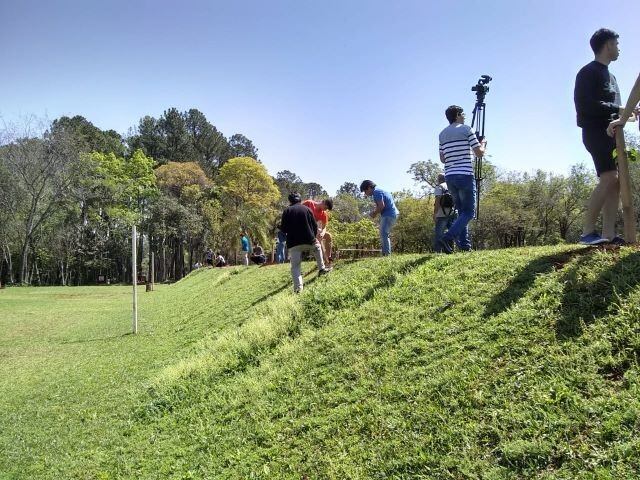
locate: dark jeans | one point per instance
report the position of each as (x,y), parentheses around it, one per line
(442,223)
(463,190)
(281,254)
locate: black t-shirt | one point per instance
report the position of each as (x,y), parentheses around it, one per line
(596,95)
(299,225)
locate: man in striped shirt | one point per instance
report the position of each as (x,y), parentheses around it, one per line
(458,144)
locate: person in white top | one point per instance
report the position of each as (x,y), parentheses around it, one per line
(443,216)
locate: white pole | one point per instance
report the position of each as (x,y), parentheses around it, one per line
(134,274)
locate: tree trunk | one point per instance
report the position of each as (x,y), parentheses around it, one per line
(140,252)
(24,258)
(163,259)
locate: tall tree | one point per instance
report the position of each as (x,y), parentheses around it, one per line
(149,138)
(314,190)
(209,145)
(349,188)
(89,137)
(241,146)
(178,146)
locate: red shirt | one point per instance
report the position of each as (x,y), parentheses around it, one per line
(319,215)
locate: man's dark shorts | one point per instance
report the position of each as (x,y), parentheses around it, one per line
(601,147)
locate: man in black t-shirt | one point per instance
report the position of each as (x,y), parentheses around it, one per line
(597,100)
(301,229)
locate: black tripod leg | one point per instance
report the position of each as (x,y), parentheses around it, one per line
(477,198)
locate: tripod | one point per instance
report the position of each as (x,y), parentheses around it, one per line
(478,114)
(478,121)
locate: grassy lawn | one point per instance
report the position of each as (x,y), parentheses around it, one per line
(518,363)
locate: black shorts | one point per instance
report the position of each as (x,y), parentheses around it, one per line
(601,147)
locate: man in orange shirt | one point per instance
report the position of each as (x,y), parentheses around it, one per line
(319,210)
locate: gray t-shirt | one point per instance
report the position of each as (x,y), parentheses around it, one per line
(438,191)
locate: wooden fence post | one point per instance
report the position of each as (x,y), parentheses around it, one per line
(625,189)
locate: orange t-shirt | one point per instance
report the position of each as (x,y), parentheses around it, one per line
(319,215)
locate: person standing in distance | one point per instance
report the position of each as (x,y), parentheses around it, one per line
(301,229)
(458,144)
(281,245)
(244,251)
(386,207)
(597,100)
(442,216)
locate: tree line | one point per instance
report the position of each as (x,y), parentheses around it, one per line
(70,192)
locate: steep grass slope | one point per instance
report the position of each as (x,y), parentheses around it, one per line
(508,364)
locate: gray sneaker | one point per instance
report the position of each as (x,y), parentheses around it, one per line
(324,271)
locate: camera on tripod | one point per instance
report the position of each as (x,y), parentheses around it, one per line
(478,121)
(481,88)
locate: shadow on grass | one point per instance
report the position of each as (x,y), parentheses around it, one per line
(318,311)
(584,302)
(98,339)
(523,281)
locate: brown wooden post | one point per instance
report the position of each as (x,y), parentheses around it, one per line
(625,189)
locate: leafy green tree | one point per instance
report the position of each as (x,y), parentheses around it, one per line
(347,208)
(313,190)
(362,234)
(288,182)
(174,176)
(502,216)
(41,169)
(249,198)
(241,146)
(112,194)
(413,232)
(186,215)
(349,188)
(425,173)
(542,197)
(573,202)
(89,137)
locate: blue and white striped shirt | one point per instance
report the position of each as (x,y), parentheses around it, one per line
(457,142)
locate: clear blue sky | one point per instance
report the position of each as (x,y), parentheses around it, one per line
(335,90)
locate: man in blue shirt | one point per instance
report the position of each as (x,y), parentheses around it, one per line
(281,245)
(386,207)
(244,253)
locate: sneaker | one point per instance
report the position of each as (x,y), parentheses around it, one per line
(446,245)
(617,240)
(324,271)
(592,239)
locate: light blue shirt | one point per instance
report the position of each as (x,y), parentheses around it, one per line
(389,209)
(245,244)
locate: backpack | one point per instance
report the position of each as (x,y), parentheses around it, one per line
(446,201)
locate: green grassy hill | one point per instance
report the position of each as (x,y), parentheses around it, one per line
(519,363)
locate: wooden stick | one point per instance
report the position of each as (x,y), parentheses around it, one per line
(134,275)
(625,189)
